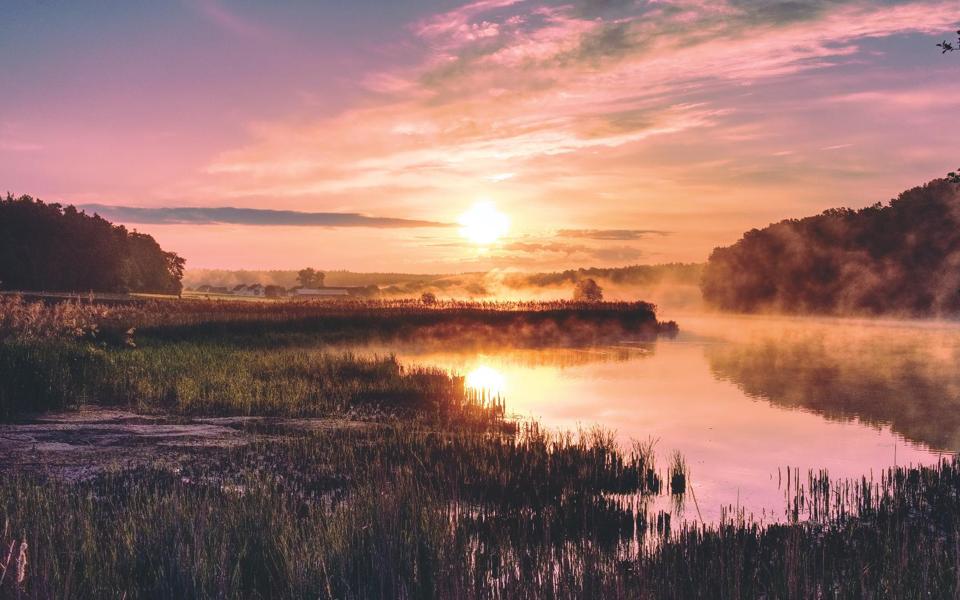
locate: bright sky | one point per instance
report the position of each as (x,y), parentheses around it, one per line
(588,132)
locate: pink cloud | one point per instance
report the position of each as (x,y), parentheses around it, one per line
(626,109)
(459,23)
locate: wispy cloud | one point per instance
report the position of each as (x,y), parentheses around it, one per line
(248,216)
(221,16)
(611,234)
(547,251)
(507,84)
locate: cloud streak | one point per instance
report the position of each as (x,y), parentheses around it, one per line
(611,234)
(249,216)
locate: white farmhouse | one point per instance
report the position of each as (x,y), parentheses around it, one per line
(249,290)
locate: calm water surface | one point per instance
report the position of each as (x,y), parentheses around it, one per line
(744,398)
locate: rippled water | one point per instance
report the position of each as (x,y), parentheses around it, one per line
(744,398)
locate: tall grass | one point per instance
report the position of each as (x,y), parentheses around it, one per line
(37,320)
(215,379)
(383,513)
(389,513)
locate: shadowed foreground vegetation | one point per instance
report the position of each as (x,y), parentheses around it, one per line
(388,513)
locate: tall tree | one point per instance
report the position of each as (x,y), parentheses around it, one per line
(310,278)
(54,248)
(898,258)
(587,290)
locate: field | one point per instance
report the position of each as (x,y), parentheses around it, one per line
(337,473)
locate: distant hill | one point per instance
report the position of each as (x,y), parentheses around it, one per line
(902,258)
(48,247)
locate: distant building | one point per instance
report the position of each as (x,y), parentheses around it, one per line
(254,289)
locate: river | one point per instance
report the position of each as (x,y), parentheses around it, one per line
(743,399)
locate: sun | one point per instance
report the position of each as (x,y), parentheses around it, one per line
(483,223)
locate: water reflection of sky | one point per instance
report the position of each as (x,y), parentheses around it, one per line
(744,399)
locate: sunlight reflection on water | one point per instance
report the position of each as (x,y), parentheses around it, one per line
(743,399)
(486,381)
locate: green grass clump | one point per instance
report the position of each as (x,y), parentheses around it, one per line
(216,379)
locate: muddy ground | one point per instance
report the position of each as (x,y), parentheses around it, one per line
(79,444)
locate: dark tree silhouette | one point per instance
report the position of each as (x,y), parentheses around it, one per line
(903,257)
(310,278)
(587,290)
(54,248)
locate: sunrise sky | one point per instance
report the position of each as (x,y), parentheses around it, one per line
(358,134)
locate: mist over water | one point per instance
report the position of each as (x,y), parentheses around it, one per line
(745,398)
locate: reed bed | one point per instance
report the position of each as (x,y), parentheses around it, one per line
(387,512)
(537,323)
(403,513)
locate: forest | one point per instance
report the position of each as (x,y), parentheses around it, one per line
(901,258)
(49,247)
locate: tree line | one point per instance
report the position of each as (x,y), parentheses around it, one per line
(49,247)
(899,258)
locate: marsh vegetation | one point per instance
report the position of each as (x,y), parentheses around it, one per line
(390,513)
(341,473)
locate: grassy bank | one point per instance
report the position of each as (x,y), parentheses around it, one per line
(221,379)
(271,359)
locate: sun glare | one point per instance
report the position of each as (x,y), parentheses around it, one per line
(485,380)
(483,223)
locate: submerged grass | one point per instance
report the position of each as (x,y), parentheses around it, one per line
(402,513)
(382,513)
